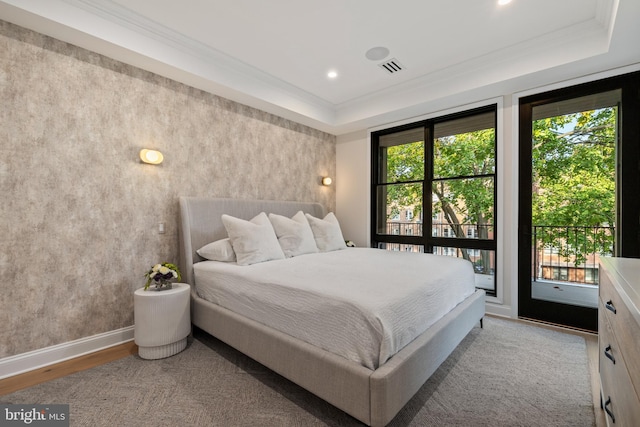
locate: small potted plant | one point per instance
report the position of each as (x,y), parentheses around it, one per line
(161,276)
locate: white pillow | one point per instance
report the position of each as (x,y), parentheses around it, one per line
(294,235)
(253,241)
(220,250)
(327,232)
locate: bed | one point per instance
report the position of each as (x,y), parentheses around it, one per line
(373,391)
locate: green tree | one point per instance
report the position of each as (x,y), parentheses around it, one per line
(463,186)
(573,184)
(574,181)
(464,198)
(405,166)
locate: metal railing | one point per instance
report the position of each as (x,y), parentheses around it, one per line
(483,260)
(439,229)
(559,253)
(570,253)
(398,228)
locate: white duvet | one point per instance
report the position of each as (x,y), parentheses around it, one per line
(363,304)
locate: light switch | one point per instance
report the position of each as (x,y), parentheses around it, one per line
(161,228)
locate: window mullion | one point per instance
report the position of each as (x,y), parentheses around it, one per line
(427,202)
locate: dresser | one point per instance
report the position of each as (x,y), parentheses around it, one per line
(619,340)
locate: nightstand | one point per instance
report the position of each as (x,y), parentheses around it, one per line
(162,321)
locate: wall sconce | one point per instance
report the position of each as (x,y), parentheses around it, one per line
(152,157)
(326,181)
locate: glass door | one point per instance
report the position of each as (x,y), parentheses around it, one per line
(571,199)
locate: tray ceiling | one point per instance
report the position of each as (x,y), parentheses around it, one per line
(275,55)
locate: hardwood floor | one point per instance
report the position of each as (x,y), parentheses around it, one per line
(592,351)
(68,367)
(19,382)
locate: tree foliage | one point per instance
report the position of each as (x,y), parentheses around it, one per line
(405,166)
(573,159)
(464,198)
(463,186)
(460,189)
(573,182)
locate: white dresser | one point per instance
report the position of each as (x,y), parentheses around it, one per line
(619,340)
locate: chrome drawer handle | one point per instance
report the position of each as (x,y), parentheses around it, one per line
(610,306)
(607,352)
(607,410)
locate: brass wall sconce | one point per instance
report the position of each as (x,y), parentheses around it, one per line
(153,157)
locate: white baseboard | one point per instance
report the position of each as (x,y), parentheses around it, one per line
(499,310)
(25,362)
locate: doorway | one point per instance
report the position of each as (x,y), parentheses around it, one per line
(574,186)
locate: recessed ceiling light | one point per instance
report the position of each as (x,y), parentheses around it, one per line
(503,2)
(332,74)
(377,53)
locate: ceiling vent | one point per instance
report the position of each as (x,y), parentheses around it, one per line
(392,66)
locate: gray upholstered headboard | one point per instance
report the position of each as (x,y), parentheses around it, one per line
(200,222)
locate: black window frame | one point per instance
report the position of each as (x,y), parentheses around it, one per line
(426,240)
(627,201)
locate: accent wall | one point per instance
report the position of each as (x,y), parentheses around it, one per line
(81,213)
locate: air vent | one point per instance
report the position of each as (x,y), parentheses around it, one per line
(392,66)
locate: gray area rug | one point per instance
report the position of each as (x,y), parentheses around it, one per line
(507,374)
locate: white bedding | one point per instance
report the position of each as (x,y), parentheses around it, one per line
(363,304)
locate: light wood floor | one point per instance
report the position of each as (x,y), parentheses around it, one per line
(594,370)
(68,367)
(29,379)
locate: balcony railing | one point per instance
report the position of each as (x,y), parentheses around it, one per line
(439,229)
(568,253)
(483,260)
(558,253)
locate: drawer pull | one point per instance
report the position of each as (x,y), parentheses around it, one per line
(607,352)
(607,410)
(610,306)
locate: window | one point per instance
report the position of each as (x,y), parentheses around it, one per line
(444,170)
(591,275)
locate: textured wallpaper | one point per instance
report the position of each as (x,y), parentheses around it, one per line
(80,212)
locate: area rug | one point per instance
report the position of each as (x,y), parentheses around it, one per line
(505,374)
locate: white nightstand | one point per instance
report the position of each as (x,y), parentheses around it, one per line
(162,321)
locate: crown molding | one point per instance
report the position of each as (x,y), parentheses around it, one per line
(105,27)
